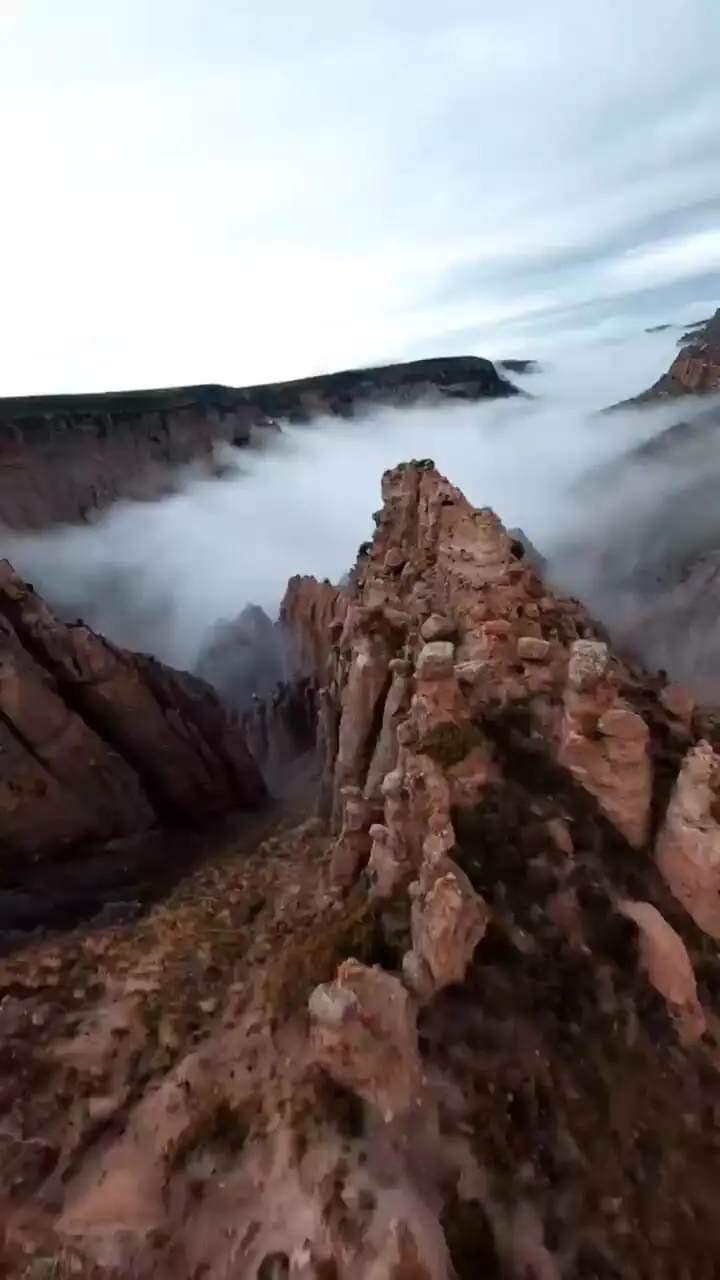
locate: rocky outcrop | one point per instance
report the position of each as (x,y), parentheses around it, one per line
(466,1025)
(64,458)
(97,743)
(695,369)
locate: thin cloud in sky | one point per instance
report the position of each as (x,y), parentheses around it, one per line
(201,190)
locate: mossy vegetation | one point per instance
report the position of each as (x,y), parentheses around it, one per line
(354,929)
(450,743)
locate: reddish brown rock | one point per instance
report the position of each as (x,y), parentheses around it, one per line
(696,368)
(65,458)
(688,845)
(468,1026)
(462,578)
(363,1032)
(604,744)
(668,967)
(313,614)
(99,743)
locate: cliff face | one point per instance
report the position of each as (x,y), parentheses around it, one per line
(63,458)
(662,558)
(463,1022)
(696,368)
(97,743)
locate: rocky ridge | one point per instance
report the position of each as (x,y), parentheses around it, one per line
(65,458)
(695,369)
(461,1022)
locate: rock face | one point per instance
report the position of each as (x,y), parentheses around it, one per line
(63,458)
(462,1023)
(97,743)
(245,657)
(696,368)
(654,579)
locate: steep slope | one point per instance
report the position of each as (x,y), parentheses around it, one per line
(653,574)
(695,369)
(98,744)
(463,1023)
(63,458)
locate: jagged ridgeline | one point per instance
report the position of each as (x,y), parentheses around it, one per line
(453,1015)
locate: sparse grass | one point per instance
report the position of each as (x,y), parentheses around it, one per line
(450,743)
(353,929)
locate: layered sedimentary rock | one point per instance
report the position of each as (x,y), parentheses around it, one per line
(696,368)
(464,1025)
(97,743)
(64,458)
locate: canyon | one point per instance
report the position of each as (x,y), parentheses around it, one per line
(65,458)
(656,572)
(414,971)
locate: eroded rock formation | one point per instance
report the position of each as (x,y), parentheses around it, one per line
(696,368)
(461,1023)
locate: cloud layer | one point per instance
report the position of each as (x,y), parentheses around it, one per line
(222,192)
(161,576)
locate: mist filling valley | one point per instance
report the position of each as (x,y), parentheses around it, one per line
(609,505)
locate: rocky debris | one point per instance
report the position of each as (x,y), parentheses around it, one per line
(65,458)
(97,743)
(462,1023)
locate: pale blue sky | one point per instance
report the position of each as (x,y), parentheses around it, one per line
(207,190)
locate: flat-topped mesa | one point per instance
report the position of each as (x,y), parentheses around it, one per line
(98,743)
(64,458)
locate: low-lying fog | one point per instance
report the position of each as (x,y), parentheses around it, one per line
(161,576)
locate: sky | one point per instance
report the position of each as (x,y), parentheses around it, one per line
(244,190)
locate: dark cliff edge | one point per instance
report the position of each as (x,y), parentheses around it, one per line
(63,458)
